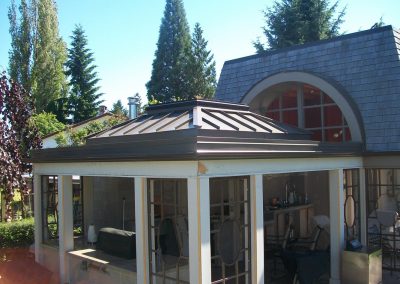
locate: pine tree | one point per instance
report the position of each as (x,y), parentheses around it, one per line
(84,97)
(21,45)
(291,22)
(169,78)
(202,67)
(48,78)
(119,109)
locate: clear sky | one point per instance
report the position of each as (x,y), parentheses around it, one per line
(123,33)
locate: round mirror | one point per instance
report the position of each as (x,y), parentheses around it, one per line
(230,243)
(168,242)
(349,211)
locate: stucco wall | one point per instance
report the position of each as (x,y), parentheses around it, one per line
(365,64)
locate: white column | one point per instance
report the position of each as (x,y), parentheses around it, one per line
(37,201)
(65,224)
(363,207)
(142,245)
(336,209)
(257,228)
(199,230)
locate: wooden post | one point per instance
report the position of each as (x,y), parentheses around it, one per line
(257,229)
(65,224)
(199,230)
(142,245)
(336,209)
(37,200)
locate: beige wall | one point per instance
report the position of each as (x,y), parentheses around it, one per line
(103,202)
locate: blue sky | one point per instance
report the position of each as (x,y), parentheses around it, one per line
(123,33)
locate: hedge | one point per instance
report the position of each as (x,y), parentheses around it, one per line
(17,233)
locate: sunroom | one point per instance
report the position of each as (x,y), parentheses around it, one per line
(192,192)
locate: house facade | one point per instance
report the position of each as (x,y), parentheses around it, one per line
(307,137)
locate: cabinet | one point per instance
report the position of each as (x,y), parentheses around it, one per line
(276,220)
(361,267)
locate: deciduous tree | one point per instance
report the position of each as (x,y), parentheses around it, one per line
(20,54)
(38,53)
(48,78)
(17,138)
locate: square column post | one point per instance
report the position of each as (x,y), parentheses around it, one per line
(199,230)
(257,229)
(336,210)
(142,231)
(363,207)
(65,224)
(37,201)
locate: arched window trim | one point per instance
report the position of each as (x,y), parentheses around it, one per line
(300,109)
(345,103)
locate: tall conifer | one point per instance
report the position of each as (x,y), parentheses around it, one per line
(202,67)
(169,78)
(84,97)
(290,22)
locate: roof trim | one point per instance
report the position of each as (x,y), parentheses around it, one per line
(309,44)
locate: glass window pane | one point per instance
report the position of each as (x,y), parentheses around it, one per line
(311,95)
(334,135)
(327,99)
(273,115)
(290,117)
(316,135)
(332,116)
(347,136)
(312,117)
(289,98)
(274,104)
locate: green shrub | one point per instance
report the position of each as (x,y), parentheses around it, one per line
(17,233)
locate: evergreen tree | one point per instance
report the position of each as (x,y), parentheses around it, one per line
(84,97)
(21,44)
(291,22)
(202,67)
(119,109)
(48,78)
(169,78)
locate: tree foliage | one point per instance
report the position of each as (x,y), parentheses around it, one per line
(84,97)
(72,137)
(169,77)
(17,138)
(291,22)
(37,52)
(119,109)
(21,44)
(46,123)
(201,67)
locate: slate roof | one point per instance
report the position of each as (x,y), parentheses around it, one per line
(365,64)
(197,129)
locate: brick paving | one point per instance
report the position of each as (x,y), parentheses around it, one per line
(17,265)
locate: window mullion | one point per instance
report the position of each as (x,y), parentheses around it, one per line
(300,108)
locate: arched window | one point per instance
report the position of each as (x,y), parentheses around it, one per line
(307,107)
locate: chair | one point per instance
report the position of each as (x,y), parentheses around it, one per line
(389,237)
(303,255)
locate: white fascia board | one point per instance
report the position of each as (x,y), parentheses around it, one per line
(155,169)
(274,166)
